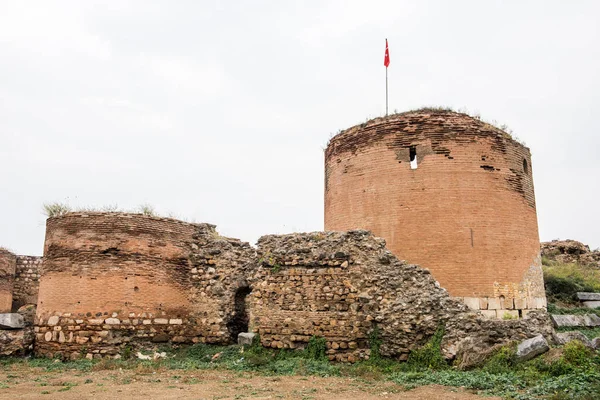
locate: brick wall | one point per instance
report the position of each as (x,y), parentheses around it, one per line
(8,263)
(467,212)
(113,279)
(26,284)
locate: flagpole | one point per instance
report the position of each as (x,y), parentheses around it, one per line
(386,92)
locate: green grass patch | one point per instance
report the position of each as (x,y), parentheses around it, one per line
(563,281)
(570,372)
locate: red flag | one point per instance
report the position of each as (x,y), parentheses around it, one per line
(386,59)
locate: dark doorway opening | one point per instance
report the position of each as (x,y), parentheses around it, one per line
(239,322)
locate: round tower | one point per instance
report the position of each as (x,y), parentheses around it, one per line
(449,192)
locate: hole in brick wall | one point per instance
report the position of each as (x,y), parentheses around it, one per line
(136,289)
(412,151)
(525,166)
(239,321)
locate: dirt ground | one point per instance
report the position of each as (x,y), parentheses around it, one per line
(21,382)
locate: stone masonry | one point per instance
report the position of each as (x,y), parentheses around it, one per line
(8,262)
(342,286)
(26,284)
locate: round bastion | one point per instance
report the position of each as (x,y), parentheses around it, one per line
(108,278)
(446,191)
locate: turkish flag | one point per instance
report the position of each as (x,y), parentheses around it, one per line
(386,59)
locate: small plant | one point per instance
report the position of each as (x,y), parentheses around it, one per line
(147,209)
(508,316)
(56,209)
(429,356)
(275,268)
(502,361)
(576,353)
(127,351)
(375,343)
(316,349)
(110,208)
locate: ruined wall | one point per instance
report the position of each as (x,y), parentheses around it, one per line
(27,276)
(114,279)
(8,263)
(342,285)
(466,212)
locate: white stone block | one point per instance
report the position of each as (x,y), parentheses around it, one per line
(472,302)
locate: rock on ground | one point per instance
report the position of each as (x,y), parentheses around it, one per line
(246,338)
(563,338)
(587,320)
(532,348)
(16,342)
(11,321)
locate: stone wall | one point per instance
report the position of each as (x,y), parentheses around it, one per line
(26,285)
(111,280)
(571,251)
(8,263)
(342,285)
(466,212)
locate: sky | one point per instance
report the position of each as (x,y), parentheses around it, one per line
(219,111)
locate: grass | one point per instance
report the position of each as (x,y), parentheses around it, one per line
(573,374)
(563,281)
(57,209)
(506,130)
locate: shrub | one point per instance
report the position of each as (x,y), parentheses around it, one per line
(576,353)
(56,209)
(147,209)
(502,361)
(429,356)
(316,349)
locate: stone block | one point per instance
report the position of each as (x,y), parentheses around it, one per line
(246,338)
(588,296)
(591,304)
(532,348)
(472,302)
(563,338)
(112,321)
(587,320)
(53,320)
(596,343)
(494,303)
(489,314)
(483,303)
(11,321)
(507,314)
(538,302)
(509,303)
(521,304)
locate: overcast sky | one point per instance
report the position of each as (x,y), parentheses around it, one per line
(219,111)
